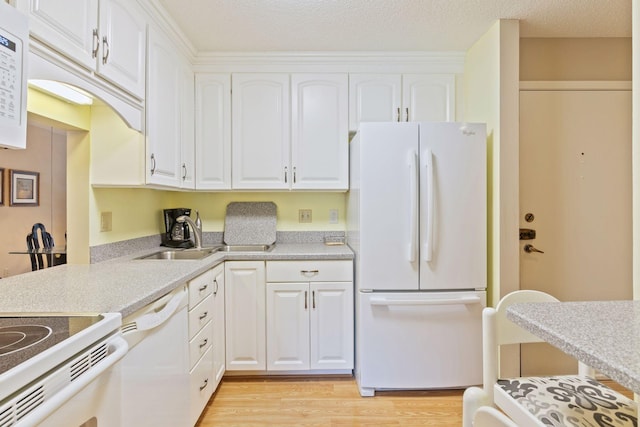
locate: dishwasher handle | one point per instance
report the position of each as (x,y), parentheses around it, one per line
(159,315)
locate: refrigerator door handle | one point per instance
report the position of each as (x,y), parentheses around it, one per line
(428,245)
(413,210)
(410,302)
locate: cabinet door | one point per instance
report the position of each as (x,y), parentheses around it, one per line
(320,133)
(331,325)
(187,132)
(260,131)
(163,113)
(245,315)
(287,326)
(123,39)
(66,25)
(213,131)
(428,97)
(374,98)
(218,326)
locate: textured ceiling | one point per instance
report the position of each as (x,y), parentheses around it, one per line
(385,25)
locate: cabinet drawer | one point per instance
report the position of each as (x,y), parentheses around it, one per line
(200,287)
(309,271)
(199,344)
(200,315)
(201,385)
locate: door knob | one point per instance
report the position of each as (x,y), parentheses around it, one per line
(530,248)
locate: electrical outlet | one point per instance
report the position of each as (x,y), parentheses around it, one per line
(105,221)
(333,216)
(304,215)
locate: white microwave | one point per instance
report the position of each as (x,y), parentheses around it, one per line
(14,46)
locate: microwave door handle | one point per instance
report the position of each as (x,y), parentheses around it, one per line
(413,209)
(428,245)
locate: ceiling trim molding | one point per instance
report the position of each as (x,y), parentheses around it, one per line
(370,62)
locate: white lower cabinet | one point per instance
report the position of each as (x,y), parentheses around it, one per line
(309,314)
(218,331)
(201,313)
(245,315)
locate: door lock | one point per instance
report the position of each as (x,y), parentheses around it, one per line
(527,234)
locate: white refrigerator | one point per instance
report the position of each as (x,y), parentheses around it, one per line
(417,222)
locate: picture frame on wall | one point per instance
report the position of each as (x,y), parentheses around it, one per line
(25,188)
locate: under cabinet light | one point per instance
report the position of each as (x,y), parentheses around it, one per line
(62,91)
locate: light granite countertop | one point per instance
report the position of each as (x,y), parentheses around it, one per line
(126,284)
(603,334)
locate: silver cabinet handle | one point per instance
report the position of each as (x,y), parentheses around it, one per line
(184,171)
(105,50)
(313,299)
(286,171)
(204,315)
(203,288)
(309,271)
(204,342)
(305,299)
(530,248)
(215,291)
(294,174)
(96,43)
(153,164)
(204,384)
(406,112)
(398,114)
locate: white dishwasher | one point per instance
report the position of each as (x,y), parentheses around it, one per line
(155,371)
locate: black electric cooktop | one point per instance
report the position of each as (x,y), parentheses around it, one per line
(23,337)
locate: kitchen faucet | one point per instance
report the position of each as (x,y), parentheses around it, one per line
(197,232)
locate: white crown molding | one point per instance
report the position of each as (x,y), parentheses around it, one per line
(353,62)
(168,25)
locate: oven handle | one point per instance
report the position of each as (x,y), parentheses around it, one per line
(118,348)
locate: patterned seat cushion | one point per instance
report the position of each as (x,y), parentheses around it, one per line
(571,401)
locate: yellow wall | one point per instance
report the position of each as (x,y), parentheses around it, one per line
(491,96)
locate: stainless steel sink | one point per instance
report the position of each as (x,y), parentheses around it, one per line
(179,254)
(246,248)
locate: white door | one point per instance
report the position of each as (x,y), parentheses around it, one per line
(320,134)
(385,169)
(163,113)
(331,325)
(218,326)
(575,188)
(66,24)
(428,97)
(374,98)
(245,315)
(261,120)
(213,131)
(123,41)
(287,326)
(453,206)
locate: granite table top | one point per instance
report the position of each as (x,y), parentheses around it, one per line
(603,334)
(127,284)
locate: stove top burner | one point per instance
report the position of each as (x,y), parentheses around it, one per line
(19,337)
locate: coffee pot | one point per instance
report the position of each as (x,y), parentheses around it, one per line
(177,234)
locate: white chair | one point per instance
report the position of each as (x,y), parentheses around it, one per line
(539,401)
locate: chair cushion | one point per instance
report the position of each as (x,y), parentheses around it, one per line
(570,401)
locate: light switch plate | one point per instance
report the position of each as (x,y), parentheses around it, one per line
(105,221)
(304,215)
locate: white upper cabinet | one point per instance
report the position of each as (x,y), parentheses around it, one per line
(170,151)
(106,36)
(401,98)
(320,133)
(260,131)
(213,131)
(290,131)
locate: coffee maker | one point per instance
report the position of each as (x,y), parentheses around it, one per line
(177,234)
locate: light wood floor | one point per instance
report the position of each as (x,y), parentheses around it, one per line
(326,402)
(330,402)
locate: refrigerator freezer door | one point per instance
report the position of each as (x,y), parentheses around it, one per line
(419,340)
(387,211)
(453,209)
